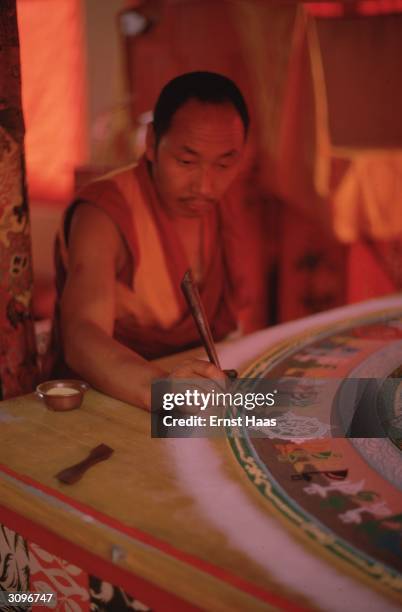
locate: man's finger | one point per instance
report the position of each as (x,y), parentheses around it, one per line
(196,368)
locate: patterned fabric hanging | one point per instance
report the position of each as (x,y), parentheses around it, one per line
(17,341)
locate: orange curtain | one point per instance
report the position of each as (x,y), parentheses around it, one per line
(53,94)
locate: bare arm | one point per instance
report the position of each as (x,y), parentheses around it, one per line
(96,252)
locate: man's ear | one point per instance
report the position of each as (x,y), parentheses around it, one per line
(150,143)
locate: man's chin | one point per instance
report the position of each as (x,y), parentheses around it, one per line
(196,208)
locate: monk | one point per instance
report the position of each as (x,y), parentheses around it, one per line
(128,238)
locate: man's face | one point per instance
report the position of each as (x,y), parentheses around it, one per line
(198,158)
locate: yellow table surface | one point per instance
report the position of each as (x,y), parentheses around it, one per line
(137,486)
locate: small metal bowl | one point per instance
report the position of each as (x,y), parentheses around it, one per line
(62,395)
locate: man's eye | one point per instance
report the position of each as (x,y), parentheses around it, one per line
(227,162)
(184,162)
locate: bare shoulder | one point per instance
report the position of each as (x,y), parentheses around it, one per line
(94,236)
(93,254)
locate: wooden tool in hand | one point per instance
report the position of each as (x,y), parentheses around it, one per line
(191,293)
(73,473)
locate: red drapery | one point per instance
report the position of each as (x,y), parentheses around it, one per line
(364,7)
(17,348)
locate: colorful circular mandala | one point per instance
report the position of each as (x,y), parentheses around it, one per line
(342,493)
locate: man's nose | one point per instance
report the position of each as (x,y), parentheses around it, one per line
(203,183)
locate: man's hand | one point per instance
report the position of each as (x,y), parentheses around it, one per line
(197,368)
(197,374)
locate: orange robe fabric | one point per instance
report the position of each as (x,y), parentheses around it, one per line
(152,317)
